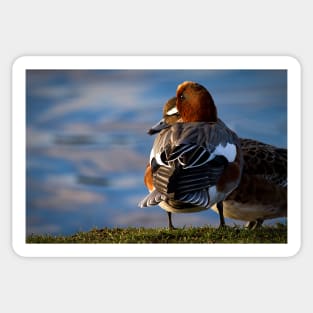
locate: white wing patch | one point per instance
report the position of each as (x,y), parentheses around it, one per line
(229,152)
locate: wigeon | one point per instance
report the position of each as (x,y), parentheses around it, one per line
(196,162)
(262,192)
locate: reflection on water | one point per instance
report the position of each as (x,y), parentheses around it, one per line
(74,139)
(87,145)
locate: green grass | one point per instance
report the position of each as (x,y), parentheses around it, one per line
(236,234)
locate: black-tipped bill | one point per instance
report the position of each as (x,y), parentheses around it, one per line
(158,127)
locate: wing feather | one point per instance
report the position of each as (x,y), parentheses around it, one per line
(187,159)
(265,160)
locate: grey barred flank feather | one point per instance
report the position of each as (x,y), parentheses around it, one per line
(203,134)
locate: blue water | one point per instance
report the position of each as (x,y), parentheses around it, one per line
(87,146)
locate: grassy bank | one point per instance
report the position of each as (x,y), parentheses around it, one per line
(265,234)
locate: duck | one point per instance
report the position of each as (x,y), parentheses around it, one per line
(262,191)
(195,162)
(170,117)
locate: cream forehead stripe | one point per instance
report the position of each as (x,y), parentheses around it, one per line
(172,111)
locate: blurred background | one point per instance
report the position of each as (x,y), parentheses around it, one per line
(87,146)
